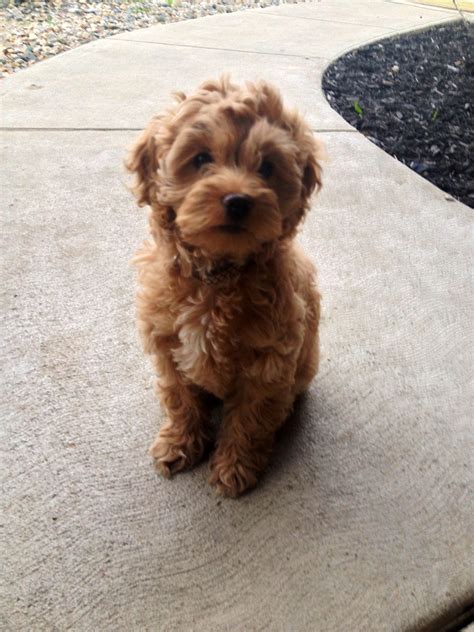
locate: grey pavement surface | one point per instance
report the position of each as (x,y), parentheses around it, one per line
(362,522)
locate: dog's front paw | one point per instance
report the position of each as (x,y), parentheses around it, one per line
(230,475)
(174,452)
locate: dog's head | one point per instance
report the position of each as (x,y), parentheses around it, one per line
(227,170)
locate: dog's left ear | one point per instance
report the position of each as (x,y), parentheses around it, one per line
(312,170)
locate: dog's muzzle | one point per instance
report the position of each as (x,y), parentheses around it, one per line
(237,206)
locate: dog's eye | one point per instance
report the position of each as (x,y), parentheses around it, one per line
(202,159)
(265,169)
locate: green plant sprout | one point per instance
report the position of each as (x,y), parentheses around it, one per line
(359,111)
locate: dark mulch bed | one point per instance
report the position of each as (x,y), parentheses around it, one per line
(414,96)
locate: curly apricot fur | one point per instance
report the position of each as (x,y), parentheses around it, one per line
(224,307)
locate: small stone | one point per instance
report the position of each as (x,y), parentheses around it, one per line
(16,13)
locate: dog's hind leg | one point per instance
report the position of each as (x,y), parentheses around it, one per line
(308,361)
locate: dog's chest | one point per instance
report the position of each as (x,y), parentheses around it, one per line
(209,334)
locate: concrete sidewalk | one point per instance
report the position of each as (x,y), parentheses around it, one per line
(363,521)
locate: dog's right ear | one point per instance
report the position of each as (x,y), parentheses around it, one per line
(143,162)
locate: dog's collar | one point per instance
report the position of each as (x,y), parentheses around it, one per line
(221,271)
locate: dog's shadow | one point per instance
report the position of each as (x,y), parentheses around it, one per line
(289,435)
(295,441)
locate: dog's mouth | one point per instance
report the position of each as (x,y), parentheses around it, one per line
(231,229)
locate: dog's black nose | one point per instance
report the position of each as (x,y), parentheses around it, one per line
(237,206)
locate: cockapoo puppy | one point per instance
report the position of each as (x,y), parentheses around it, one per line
(228,304)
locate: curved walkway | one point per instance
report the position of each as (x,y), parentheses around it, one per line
(362,522)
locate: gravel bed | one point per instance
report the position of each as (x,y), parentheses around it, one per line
(33,30)
(413,96)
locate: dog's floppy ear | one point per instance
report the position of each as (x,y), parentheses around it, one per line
(312,171)
(143,162)
(310,152)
